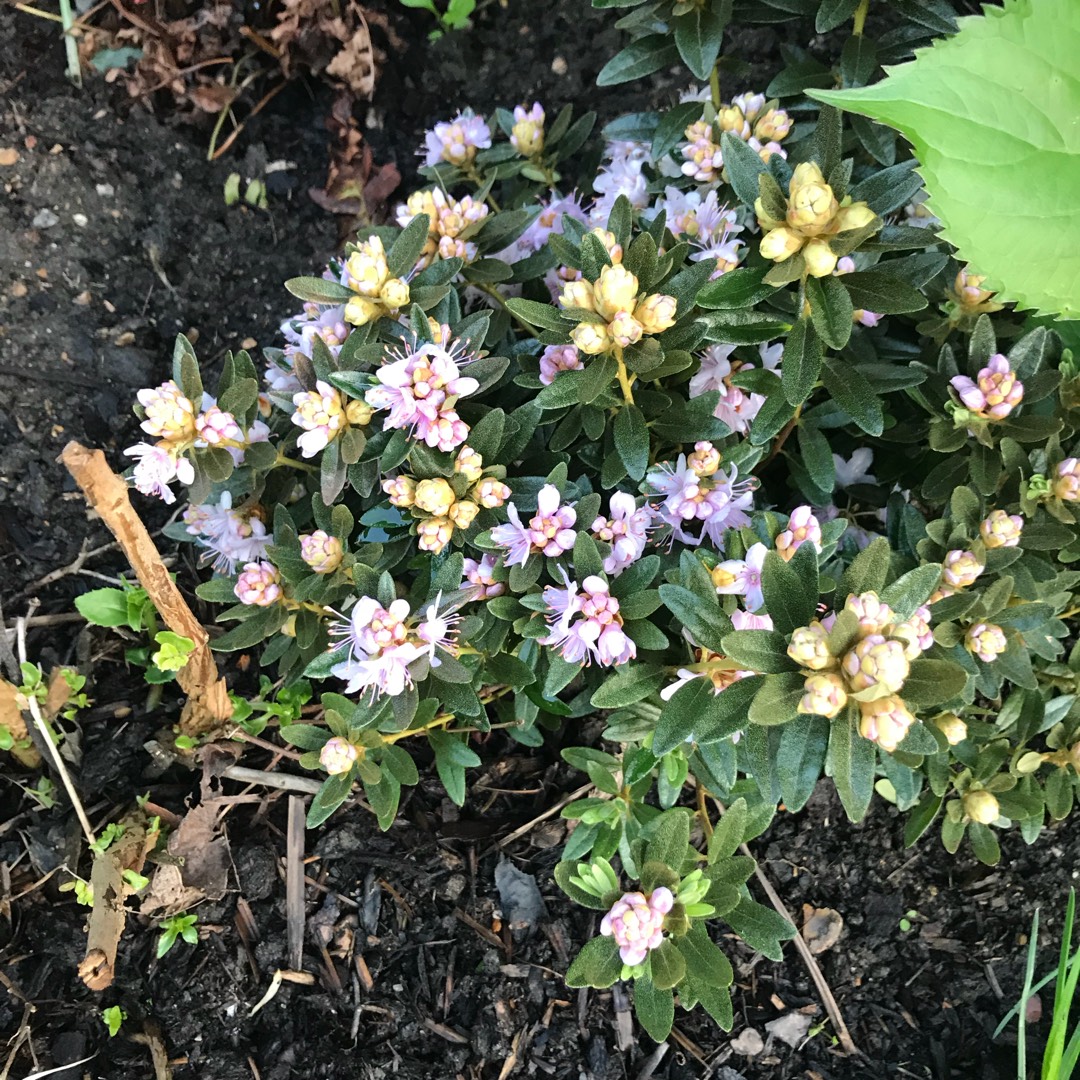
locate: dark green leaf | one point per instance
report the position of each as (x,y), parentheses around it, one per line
(639,58)
(598,964)
(632,441)
(763,651)
(801,364)
(830,310)
(850,762)
(853,394)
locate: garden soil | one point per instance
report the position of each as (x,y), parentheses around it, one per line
(114,236)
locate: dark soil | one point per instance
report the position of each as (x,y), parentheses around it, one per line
(88,310)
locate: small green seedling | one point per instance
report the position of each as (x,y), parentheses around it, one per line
(179,926)
(456,16)
(174,651)
(254,192)
(906,920)
(113,1018)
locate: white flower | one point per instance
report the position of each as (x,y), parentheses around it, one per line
(856,469)
(156,468)
(742,577)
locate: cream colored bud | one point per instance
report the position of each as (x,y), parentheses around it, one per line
(395,294)
(591,338)
(820,260)
(615,290)
(434,496)
(781,243)
(856,216)
(366,268)
(952,727)
(434,534)
(577,294)
(775,124)
(463,513)
(656,313)
(825,695)
(811,204)
(981,806)
(885,722)
(808,647)
(491,493)
(360,310)
(359,413)
(625,330)
(469,464)
(401,489)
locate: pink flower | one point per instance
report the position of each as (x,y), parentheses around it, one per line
(637,923)
(457,140)
(380,648)
(215,426)
(802,528)
(556,358)
(481,576)
(742,577)
(229,535)
(716,501)
(745,620)
(626,531)
(586,624)
(321,413)
(259,585)
(549,532)
(737,407)
(156,468)
(996,392)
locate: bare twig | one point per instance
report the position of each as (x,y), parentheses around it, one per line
(831,1007)
(282,781)
(550,812)
(294,883)
(7,656)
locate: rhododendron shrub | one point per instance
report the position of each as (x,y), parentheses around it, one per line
(679,445)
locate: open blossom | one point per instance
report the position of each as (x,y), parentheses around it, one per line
(626,531)
(1001,529)
(747,620)
(321,413)
(885,721)
(876,662)
(527,134)
(168,414)
(156,467)
(961,568)
(315,321)
(637,923)
(742,577)
(338,755)
(715,499)
(230,536)
(420,391)
(586,625)
(737,407)
(258,585)
(549,531)
(321,551)
(481,575)
(986,640)
(856,469)
(802,528)
(994,394)
(547,222)
(438,631)
(556,358)
(621,175)
(457,140)
(1067,479)
(708,663)
(381,648)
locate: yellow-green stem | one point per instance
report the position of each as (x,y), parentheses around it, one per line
(859,19)
(714,86)
(703,812)
(501,301)
(626,380)
(281,459)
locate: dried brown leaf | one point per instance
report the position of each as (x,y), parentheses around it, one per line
(821,928)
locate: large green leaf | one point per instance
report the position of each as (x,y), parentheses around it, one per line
(992,113)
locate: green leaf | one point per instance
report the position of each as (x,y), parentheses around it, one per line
(452,757)
(630,684)
(669,836)
(933,682)
(800,759)
(318,290)
(853,394)
(776,701)
(737,290)
(698,35)
(760,927)
(670,131)
(984,843)
(791,596)
(632,441)
(817,459)
(912,590)
(535,314)
(850,762)
(832,13)
(696,711)
(880,291)
(830,310)
(705,961)
(704,620)
(306,736)
(639,58)
(763,651)
(654,1008)
(108,607)
(868,570)
(743,166)
(598,964)
(668,966)
(801,363)
(1002,162)
(728,832)
(334,791)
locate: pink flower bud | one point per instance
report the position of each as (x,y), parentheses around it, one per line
(338,755)
(1001,529)
(876,662)
(1066,479)
(802,528)
(556,358)
(322,552)
(995,393)
(986,641)
(258,585)
(961,568)
(885,722)
(637,923)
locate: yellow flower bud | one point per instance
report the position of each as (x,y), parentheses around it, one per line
(811,204)
(781,243)
(611,245)
(624,329)
(469,464)
(981,806)
(856,216)
(359,311)
(775,124)
(401,489)
(733,119)
(359,413)
(366,268)
(885,721)
(434,496)
(820,260)
(656,313)
(615,290)
(591,338)
(952,727)
(462,513)
(765,220)
(825,695)
(434,534)
(395,293)
(577,294)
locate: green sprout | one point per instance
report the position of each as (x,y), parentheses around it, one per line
(112,1018)
(178,926)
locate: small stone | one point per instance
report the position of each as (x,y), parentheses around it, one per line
(8,155)
(106,191)
(248,343)
(559,66)
(45,219)
(19,289)
(83,298)
(749,1043)
(80,219)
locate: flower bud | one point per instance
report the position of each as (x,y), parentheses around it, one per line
(981,806)
(961,568)
(811,202)
(1066,479)
(322,552)
(808,647)
(469,464)
(615,290)
(820,259)
(876,662)
(462,513)
(625,330)
(259,585)
(360,310)
(636,922)
(577,294)
(1001,529)
(825,695)
(986,640)
(365,268)
(215,427)
(705,459)
(732,119)
(775,124)
(802,528)
(915,633)
(491,493)
(557,358)
(885,722)
(873,615)
(656,313)
(780,244)
(611,245)
(952,727)
(971,294)
(433,534)
(359,413)
(434,496)
(527,134)
(395,294)
(168,414)
(401,489)
(855,216)
(338,755)
(591,338)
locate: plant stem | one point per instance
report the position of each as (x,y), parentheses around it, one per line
(714,85)
(703,812)
(71,46)
(439,721)
(281,459)
(859,19)
(626,381)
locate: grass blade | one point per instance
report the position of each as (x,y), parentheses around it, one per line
(1064,991)
(1029,975)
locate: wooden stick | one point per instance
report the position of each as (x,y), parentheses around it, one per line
(208,706)
(294,883)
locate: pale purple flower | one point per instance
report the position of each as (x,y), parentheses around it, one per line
(637,923)
(622,175)
(321,413)
(380,648)
(856,469)
(736,407)
(742,577)
(718,502)
(457,140)
(746,620)
(802,528)
(420,390)
(481,576)
(257,433)
(549,221)
(587,624)
(438,631)
(281,380)
(215,426)
(626,531)
(229,536)
(996,392)
(549,532)
(259,585)
(156,468)
(315,321)
(557,358)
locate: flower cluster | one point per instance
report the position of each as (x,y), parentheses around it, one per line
(636,922)
(550,531)
(586,625)
(449,219)
(457,141)
(993,394)
(813,215)
(323,414)
(736,407)
(230,536)
(749,117)
(377,293)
